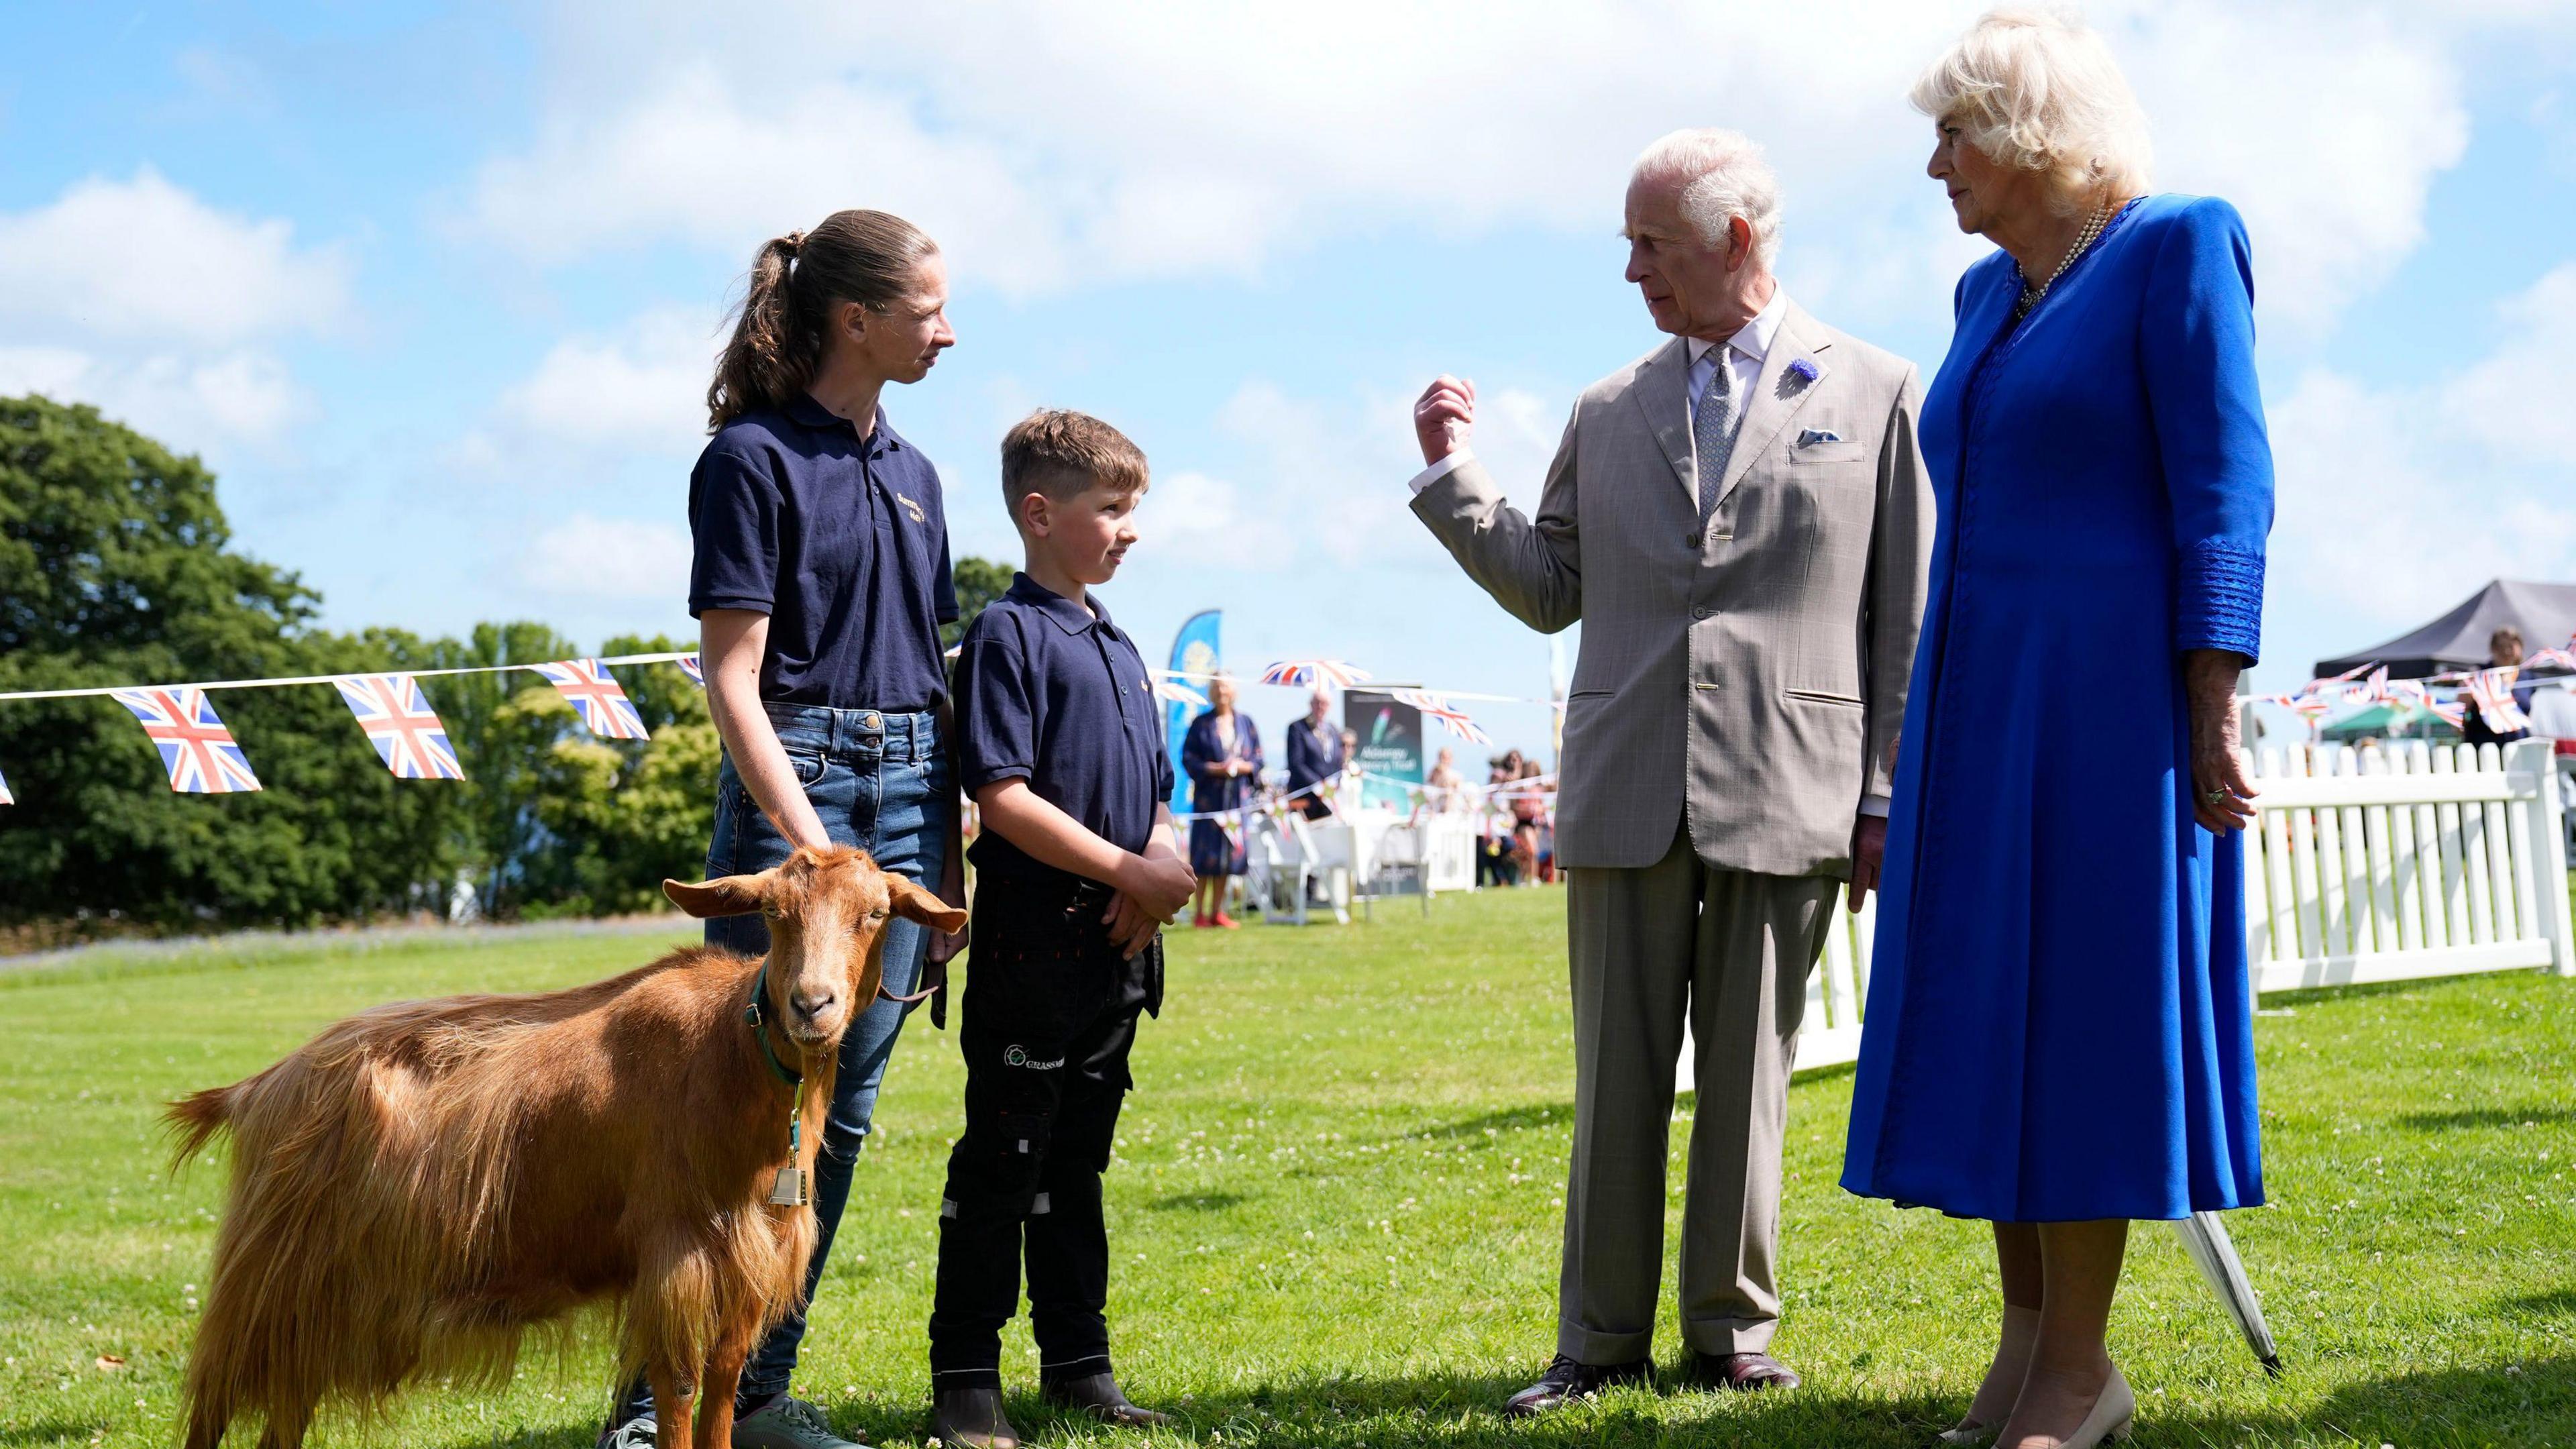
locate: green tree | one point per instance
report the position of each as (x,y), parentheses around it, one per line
(619,817)
(979,582)
(116,568)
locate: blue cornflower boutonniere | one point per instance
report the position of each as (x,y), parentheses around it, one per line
(1803,370)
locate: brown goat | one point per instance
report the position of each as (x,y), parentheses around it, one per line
(420,1184)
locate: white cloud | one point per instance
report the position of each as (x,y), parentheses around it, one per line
(642,389)
(1111,142)
(162,311)
(1322,481)
(2395,502)
(240,396)
(586,556)
(2333,194)
(144,259)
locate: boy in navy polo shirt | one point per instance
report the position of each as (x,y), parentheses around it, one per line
(1060,741)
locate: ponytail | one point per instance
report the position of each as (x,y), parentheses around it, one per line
(865,257)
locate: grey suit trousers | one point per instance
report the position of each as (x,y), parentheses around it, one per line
(1733,948)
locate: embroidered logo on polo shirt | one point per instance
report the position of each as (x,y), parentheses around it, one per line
(912,508)
(1018,1056)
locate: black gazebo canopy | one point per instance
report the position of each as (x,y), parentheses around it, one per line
(2545,613)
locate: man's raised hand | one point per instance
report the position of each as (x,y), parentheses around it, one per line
(1444,417)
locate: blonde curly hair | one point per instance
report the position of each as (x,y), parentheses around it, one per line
(2038,90)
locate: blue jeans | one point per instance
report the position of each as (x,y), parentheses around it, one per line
(880,782)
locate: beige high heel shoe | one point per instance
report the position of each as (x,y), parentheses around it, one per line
(2112,1416)
(2020,1331)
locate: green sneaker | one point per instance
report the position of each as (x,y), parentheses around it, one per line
(788,1423)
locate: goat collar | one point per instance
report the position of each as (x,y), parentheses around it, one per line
(759,1020)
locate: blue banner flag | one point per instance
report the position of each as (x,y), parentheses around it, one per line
(1194,653)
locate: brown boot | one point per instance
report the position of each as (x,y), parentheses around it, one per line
(1099,1396)
(971,1419)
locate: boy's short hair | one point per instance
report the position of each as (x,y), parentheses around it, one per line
(1058,452)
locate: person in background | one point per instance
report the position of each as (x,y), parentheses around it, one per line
(1222,754)
(1315,756)
(820,578)
(2504,651)
(1494,821)
(2060,1026)
(1527,807)
(1445,789)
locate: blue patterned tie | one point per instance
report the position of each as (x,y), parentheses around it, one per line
(1713,432)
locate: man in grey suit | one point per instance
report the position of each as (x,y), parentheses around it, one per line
(1740,520)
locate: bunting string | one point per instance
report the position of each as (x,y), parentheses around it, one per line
(202,757)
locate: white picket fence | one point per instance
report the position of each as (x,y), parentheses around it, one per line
(2405,861)
(2382,865)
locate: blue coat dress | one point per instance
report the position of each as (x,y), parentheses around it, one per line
(2059,1022)
(1212,852)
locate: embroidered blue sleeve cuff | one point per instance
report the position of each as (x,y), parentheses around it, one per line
(2220,598)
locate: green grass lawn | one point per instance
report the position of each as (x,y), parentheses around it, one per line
(1335,1210)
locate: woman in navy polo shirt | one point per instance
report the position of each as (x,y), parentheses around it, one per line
(820,581)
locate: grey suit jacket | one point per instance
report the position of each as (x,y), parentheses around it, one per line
(1749,677)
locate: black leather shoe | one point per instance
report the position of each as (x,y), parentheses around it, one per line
(971,1419)
(1567,1381)
(1742,1371)
(1099,1396)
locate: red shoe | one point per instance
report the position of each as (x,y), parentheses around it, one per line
(1229,922)
(1199,919)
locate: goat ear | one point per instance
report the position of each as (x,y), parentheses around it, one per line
(732,895)
(913,903)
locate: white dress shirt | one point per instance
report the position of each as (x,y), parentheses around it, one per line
(1744,355)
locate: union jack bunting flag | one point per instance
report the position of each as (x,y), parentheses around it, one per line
(2450,711)
(1175,692)
(1448,714)
(1310,671)
(2493,690)
(400,724)
(195,747)
(2553,658)
(697,673)
(5,797)
(603,706)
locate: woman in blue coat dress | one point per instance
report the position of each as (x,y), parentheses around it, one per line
(2059,1035)
(1222,756)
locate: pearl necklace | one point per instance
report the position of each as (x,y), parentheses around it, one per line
(2031,291)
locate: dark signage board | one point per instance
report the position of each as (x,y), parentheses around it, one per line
(1389,746)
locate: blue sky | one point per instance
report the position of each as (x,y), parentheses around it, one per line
(434,287)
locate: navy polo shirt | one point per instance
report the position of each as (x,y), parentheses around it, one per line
(843,543)
(1053,693)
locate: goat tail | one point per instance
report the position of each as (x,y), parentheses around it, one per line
(194,1120)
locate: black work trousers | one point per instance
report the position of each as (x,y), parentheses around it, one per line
(1049,1014)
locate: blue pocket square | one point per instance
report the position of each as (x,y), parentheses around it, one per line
(1808,437)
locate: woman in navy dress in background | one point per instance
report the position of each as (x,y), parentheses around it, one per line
(2059,1035)
(1222,756)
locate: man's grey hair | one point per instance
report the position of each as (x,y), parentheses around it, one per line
(1722,176)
